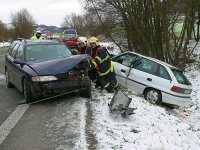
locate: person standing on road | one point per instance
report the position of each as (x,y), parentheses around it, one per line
(37,35)
(101,61)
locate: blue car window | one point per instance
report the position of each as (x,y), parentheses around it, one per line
(46,52)
(19,54)
(14,50)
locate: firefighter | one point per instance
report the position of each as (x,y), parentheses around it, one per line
(101,61)
(83,46)
(37,35)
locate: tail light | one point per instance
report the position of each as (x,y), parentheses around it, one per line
(181,90)
(176,89)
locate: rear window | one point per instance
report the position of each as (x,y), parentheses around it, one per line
(46,52)
(181,78)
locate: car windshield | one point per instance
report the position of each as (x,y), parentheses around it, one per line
(46,52)
(70,32)
(181,78)
(69,35)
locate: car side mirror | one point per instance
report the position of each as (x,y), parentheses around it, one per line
(20,62)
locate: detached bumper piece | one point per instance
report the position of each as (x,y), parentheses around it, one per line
(119,104)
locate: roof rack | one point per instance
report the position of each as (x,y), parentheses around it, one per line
(21,39)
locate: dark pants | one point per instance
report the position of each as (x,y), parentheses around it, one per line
(94,76)
(108,81)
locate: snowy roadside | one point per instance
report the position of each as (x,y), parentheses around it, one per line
(2,76)
(4,44)
(151,127)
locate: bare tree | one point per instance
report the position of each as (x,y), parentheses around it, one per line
(22,23)
(150,25)
(3,32)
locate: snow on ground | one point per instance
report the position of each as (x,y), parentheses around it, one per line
(151,127)
(2,76)
(4,44)
(193,109)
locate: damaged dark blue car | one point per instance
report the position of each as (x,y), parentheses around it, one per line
(44,68)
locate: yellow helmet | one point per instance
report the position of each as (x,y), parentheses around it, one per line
(94,40)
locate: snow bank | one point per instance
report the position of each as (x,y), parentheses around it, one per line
(151,127)
(4,44)
(112,47)
(2,76)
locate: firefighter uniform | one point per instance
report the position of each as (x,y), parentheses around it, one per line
(101,61)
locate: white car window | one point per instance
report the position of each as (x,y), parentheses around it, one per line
(147,66)
(163,73)
(125,59)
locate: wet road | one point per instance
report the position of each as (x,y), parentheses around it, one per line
(60,123)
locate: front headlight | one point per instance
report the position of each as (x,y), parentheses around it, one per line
(44,78)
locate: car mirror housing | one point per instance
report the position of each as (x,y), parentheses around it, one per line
(20,62)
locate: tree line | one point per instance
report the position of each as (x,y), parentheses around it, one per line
(144,26)
(21,26)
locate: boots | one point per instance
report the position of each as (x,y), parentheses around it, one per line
(110,89)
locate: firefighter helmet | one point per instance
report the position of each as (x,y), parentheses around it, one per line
(94,40)
(82,40)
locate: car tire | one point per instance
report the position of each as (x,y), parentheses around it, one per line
(27,91)
(87,91)
(8,83)
(153,96)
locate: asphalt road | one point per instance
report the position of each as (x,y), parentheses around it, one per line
(56,124)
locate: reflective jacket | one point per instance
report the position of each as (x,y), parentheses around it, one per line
(34,37)
(102,62)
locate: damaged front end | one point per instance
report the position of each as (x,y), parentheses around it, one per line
(75,80)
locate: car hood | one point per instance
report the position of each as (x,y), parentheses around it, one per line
(53,67)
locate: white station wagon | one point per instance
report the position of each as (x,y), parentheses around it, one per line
(156,80)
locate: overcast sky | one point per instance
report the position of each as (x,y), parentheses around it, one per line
(48,12)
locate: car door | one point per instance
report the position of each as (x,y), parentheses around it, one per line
(9,61)
(122,65)
(18,69)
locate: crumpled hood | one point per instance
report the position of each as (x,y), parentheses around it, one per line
(53,67)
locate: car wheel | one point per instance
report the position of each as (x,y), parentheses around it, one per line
(153,96)
(87,91)
(27,91)
(8,83)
